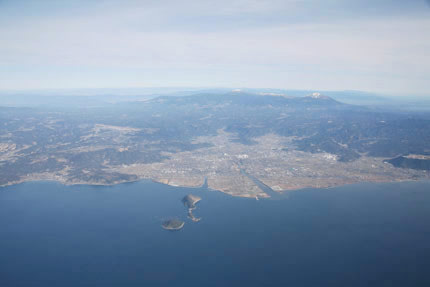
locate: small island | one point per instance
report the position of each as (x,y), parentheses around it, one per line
(173,224)
(190,202)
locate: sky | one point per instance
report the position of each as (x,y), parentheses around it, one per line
(371,45)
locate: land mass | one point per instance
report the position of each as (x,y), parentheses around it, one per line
(239,142)
(190,202)
(173,224)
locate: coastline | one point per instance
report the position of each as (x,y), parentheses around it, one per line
(90,183)
(174,229)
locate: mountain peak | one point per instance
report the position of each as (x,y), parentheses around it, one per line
(318,96)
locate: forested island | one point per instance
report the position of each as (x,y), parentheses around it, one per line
(190,202)
(173,224)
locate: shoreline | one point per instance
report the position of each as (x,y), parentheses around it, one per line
(174,228)
(67,183)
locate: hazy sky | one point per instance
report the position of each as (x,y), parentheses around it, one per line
(372,45)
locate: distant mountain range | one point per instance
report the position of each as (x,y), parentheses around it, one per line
(284,141)
(98,97)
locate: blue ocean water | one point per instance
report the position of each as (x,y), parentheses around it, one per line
(356,235)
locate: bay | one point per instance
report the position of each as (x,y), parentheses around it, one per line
(357,235)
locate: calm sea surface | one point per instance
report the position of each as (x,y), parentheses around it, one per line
(357,235)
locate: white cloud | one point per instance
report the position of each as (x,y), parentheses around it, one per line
(384,54)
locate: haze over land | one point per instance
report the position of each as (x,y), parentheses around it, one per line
(230,138)
(286,141)
(62,118)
